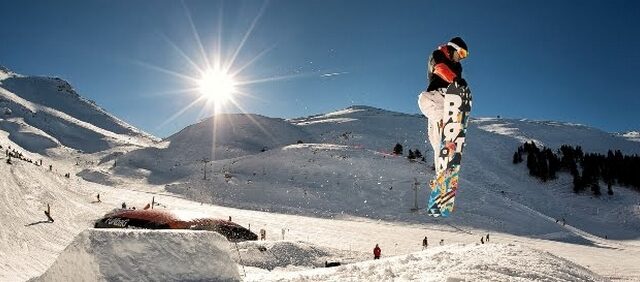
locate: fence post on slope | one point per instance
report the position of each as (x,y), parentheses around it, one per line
(415,197)
(205,161)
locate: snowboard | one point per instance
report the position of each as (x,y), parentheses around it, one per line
(452,130)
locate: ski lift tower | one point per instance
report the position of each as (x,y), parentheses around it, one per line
(416,184)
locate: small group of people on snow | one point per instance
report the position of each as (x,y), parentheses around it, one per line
(484,239)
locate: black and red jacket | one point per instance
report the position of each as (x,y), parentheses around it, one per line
(442,70)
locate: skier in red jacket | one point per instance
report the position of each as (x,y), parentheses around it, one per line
(443,69)
(376,252)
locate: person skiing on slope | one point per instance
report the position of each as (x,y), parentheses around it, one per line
(376,252)
(443,69)
(48,213)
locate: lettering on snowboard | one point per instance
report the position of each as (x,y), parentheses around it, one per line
(457,106)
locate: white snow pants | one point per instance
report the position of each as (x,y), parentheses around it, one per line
(432,106)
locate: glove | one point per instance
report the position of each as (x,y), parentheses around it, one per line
(460,81)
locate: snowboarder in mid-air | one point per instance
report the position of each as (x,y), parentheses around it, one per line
(443,69)
(447,105)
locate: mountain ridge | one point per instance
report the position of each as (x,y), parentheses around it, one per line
(51,105)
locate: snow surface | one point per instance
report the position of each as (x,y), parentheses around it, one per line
(349,172)
(144,255)
(287,255)
(471,262)
(29,245)
(6,73)
(52,106)
(631,135)
(336,195)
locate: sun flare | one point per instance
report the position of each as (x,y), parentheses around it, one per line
(217,86)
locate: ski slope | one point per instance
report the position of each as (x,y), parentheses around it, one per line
(343,168)
(29,248)
(336,193)
(471,262)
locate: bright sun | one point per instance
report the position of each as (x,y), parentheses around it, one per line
(217,86)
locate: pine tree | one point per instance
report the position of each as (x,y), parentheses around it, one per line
(607,174)
(577,183)
(579,153)
(543,167)
(532,164)
(411,155)
(554,163)
(418,154)
(397,149)
(595,188)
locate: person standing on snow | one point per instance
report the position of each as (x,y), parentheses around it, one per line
(425,243)
(48,213)
(443,69)
(376,252)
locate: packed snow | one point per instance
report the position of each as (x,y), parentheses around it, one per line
(144,255)
(472,262)
(324,188)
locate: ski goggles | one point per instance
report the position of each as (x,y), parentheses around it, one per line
(462,53)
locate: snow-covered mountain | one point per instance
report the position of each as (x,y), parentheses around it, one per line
(367,127)
(42,113)
(222,137)
(343,168)
(327,181)
(631,135)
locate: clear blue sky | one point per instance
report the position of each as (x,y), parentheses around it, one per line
(575,61)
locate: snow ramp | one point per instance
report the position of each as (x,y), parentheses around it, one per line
(144,255)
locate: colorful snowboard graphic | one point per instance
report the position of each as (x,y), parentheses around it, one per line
(457,107)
